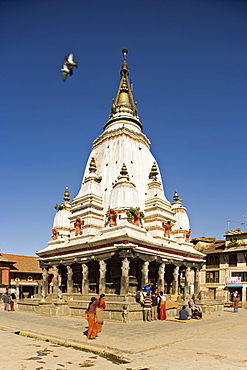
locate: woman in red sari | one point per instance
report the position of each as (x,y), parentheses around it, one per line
(99,312)
(92,330)
(162,304)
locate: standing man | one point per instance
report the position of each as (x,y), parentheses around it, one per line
(147,304)
(154,306)
(6,300)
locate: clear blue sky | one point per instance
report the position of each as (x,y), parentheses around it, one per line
(188,63)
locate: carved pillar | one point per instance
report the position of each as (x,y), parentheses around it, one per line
(175,280)
(102,276)
(145,273)
(44,283)
(124,285)
(85,282)
(69,279)
(55,281)
(187,283)
(196,282)
(161,279)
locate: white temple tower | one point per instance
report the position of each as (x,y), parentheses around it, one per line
(123,230)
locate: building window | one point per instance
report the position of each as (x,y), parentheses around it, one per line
(0,276)
(242,274)
(213,261)
(212,277)
(233,259)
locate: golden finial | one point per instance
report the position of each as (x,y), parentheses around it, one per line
(92,166)
(154,172)
(124,171)
(176,198)
(66,195)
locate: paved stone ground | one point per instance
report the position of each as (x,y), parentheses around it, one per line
(218,342)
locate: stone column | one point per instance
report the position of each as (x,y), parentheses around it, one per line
(85,282)
(161,280)
(187,283)
(124,284)
(175,280)
(69,279)
(44,283)
(102,276)
(55,281)
(196,282)
(144,280)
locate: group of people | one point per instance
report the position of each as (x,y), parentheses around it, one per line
(154,304)
(196,311)
(95,316)
(9,301)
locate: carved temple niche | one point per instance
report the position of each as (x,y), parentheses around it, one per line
(153,275)
(93,276)
(168,278)
(77,278)
(62,278)
(113,275)
(135,275)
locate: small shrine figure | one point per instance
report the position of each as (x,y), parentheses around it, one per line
(168,227)
(112,218)
(78,226)
(54,234)
(187,235)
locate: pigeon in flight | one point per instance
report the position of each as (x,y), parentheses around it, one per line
(71,62)
(68,65)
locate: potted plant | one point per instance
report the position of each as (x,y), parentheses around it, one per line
(134,214)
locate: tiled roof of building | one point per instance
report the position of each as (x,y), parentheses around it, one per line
(217,247)
(235,232)
(22,263)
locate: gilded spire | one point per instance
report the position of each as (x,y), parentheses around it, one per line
(92,166)
(154,172)
(124,98)
(124,171)
(176,198)
(66,195)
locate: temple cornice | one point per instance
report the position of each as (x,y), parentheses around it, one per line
(122,131)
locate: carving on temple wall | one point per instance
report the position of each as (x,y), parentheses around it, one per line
(45,274)
(69,272)
(54,234)
(78,224)
(187,235)
(102,267)
(125,266)
(175,273)
(85,271)
(112,218)
(162,268)
(187,274)
(168,226)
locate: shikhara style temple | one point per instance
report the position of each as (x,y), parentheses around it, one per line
(120,231)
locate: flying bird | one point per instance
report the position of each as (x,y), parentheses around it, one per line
(71,62)
(68,65)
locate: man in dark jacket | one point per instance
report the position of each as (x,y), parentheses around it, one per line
(6,299)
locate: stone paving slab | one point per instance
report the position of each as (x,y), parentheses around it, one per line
(219,342)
